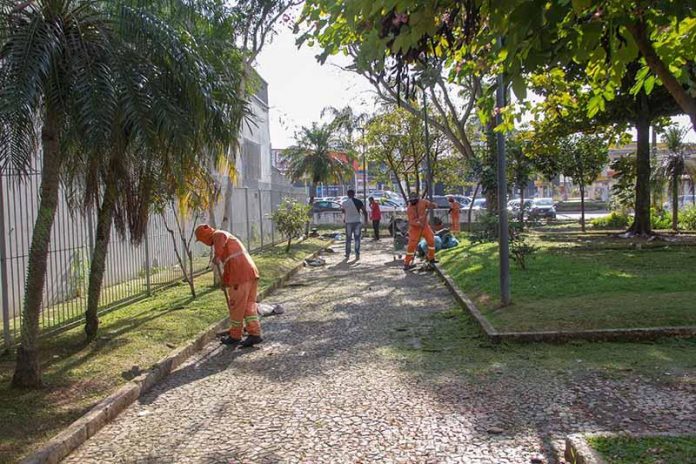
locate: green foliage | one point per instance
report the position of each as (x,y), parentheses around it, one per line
(645,450)
(687,218)
(660,219)
(290,218)
(623,191)
(615,220)
(520,250)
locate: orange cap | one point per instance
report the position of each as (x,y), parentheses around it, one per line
(204,233)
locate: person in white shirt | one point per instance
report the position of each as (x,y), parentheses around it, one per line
(352,209)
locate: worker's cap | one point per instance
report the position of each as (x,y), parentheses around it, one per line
(450,198)
(412,196)
(204,233)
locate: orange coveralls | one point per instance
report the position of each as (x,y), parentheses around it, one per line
(455,209)
(239,278)
(418,228)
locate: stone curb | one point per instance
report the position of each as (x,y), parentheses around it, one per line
(579,451)
(108,409)
(561,336)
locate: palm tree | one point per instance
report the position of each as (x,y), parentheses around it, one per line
(313,157)
(55,83)
(674,165)
(191,119)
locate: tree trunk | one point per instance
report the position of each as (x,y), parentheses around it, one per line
(686,102)
(98,265)
(641,221)
(227,212)
(582,207)
(471,205)
(675,202)
(521,209)
(312,195)
(28,370)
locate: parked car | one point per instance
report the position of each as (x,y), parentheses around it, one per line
(684,202)
(514,205)
(542,208)
(441,202)
(479,204)
(461,199)
(323,206)
(389,206)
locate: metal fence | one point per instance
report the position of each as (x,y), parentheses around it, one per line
(131,271)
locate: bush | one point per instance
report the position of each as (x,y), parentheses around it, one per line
(660,219)
(290,219)
(687,218)
(615,220)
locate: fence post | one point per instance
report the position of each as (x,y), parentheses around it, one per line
(148,283)
(7,336)
(272,224)
(261,216)
(246,211)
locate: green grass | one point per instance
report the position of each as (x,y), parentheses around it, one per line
(77,375)
(648,450)
(453,344)
(582,281)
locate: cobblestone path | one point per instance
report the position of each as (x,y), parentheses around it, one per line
(338,381)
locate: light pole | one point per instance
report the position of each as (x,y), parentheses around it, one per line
(364,161)
(504,239)
(428,167)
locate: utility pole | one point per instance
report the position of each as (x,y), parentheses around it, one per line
(428,167)
(364,161)
(503,237)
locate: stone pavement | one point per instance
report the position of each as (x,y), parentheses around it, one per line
(324,388)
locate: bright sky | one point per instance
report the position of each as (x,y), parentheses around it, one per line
(299,88)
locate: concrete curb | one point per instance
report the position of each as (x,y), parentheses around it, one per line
(108,409)
(579,451)
(561,336)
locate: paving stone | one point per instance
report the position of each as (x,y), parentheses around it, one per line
(320,391)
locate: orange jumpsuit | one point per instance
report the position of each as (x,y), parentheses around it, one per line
(455,209)
(239,278)
(418,228)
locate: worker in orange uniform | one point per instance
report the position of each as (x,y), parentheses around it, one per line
(455,209)
(418,227)
(239,281)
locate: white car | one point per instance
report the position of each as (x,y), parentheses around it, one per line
(684,202)
(389,206)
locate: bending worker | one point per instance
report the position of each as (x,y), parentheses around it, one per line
(455,209)
(418,227)
(239,281)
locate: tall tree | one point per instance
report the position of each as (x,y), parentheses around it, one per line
(54,81)
(316,158)
(674,164)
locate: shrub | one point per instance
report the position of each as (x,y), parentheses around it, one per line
(615,220)
(290,219)
(660,219)
(687,218)
(519,250)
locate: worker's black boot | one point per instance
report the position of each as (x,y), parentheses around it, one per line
(251,340)
(229,341)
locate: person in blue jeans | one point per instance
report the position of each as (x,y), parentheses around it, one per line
(353,214)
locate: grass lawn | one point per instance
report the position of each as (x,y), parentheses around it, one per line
(131,339)
(651,450)
(582,281)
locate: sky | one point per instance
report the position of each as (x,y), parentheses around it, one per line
(299,88)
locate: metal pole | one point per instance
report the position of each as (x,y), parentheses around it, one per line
(428,169)
(246,210)
(7,336)
(504,239)
(148,283)
(364,160)
(261,216)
